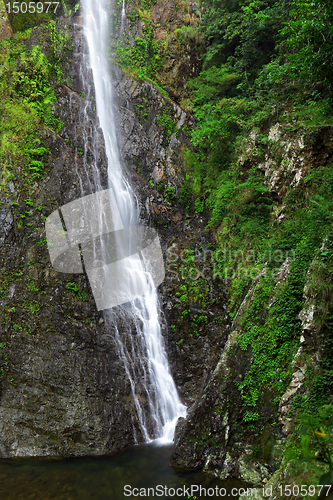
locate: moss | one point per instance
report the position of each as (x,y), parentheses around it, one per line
(167,122)
(185,196)
(27,97)
(77,292)
(144,58)
(170,194)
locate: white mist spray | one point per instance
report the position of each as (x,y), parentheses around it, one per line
(123,15)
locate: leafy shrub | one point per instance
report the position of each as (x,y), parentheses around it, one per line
(199,206)
(167,122)
(185,197)
(170,194)
(77,292)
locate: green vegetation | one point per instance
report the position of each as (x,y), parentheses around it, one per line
(193,295)
(251,417)
(199,206)
(32,306)
(309,452)
(24,21)
(77,292)
(167,122)
(185,196)
(27,95)
(268,62)
(256,69)
(144,58)
(4,365)
(170,194)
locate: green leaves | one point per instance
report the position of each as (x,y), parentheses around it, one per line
(251,416)
(27,97)
(144,57)
(167,122)
(170,194)
(185,197)
(213,84)
(310,38)
(241,33)
(77,292)
(316,438)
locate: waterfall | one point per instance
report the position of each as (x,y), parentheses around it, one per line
(138,323)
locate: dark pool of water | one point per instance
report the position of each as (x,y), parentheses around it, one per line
(102,478)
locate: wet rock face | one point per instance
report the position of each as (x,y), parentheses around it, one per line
(152,128)
(64,389)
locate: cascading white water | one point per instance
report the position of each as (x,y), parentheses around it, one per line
(155,395)
(123,15)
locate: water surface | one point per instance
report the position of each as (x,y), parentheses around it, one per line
(100,478)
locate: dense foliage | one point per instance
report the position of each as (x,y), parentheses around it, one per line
(269,62)
(27,80)
(265,62)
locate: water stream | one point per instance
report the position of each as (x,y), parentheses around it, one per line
(123,15)
(141,346)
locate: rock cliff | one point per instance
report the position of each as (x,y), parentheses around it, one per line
(64,390)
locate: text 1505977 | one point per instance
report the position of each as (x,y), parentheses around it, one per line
(32,7)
